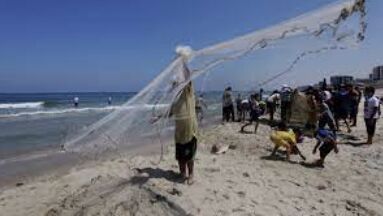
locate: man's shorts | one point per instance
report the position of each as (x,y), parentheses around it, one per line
(325,149)
(186,152)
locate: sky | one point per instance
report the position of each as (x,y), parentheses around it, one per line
(121,45)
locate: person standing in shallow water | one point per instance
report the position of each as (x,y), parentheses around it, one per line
(76,101)
(109,101)
(371,112)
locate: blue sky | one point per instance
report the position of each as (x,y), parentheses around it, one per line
(94,45)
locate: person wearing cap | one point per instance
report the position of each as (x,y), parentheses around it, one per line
(271,104)
(286,94)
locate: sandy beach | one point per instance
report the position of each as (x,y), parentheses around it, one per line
(243,181)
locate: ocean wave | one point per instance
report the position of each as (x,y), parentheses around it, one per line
(82,110)
(22,105)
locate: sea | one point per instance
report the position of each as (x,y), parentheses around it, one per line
(36,122)
(34,126)
(41,121)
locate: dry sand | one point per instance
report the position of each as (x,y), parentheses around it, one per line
(241,182)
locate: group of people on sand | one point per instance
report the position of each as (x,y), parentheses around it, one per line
(329,105)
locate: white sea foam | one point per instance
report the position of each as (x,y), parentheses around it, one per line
(21,105)
(83,110)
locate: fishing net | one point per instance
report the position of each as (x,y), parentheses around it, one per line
(265,59)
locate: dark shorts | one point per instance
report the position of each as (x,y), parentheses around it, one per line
(254,115)
(342,113)
(271,107)
(186,152)
(371,126)
(325,149)
(354,111)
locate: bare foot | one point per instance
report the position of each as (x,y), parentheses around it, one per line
(190,180)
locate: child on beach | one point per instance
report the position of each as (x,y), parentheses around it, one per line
(326,117)
(287,138)
(255,112)
(326,141)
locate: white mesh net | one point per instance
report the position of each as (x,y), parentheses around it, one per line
(278,49)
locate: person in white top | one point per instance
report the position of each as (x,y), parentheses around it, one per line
(272,104)
(76,101)
(371,112)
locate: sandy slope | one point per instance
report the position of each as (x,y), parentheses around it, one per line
(241,182)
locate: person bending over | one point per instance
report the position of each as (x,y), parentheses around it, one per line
(287,138)
(326,141)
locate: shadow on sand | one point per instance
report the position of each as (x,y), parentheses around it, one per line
(311,165)
(348,137)
(355,144)
(148,173)
(277,158)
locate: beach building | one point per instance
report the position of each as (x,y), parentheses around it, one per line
(377,73)
(338,80)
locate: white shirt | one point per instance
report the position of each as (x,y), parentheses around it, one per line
(327,95)
(274,98)
(369,105)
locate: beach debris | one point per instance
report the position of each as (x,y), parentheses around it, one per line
(232,146)
(52,212)
(321,187)
(175,191)
(95,179)
(226,196)
(18,184)
(245,174)
(219,149)
(358,209)
(241,194)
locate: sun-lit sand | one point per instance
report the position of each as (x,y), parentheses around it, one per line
(240,182)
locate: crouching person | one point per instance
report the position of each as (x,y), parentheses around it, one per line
(287,138)
(326,141)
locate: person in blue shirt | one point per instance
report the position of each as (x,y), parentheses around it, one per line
(326,141)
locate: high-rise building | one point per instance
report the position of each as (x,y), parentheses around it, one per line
(377,73)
